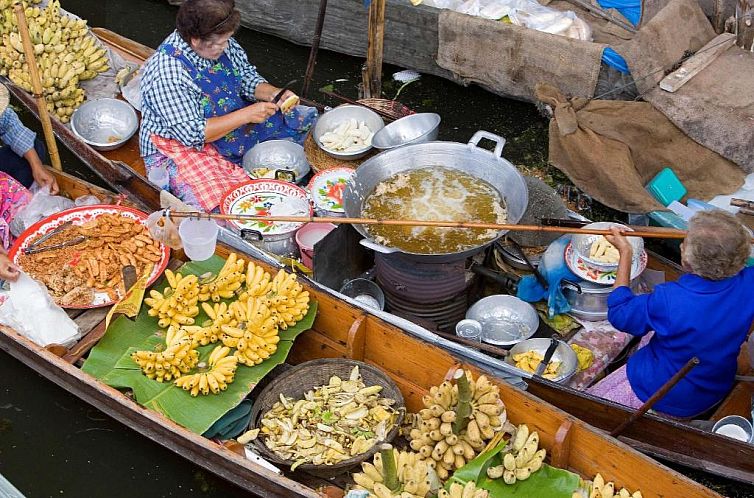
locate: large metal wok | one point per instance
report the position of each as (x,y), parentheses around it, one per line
(469,158)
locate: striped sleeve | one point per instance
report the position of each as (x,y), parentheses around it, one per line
(15,135)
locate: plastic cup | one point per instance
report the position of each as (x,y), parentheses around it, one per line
(307,236)
(159,178)
(469,329)
(364,291)
(199,238)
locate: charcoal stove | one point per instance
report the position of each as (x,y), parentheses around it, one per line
(427,291)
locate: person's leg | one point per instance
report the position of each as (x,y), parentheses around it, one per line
(15,166)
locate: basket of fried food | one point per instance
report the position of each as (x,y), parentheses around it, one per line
(326,416)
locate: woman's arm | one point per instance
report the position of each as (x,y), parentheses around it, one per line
(8,271)
(220,126)
(39,172)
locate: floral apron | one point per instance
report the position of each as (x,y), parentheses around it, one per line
(222,85)
(14,198)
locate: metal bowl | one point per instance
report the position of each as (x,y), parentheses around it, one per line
(582,243)
(505,319)
(333,118)
(277,156)
(412,129)
(105,123)
(563,353)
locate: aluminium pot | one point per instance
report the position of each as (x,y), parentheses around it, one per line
(468,158)
(591,304)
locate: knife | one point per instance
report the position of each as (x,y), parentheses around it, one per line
(548,356)
(282,91)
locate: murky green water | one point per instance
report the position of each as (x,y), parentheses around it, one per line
(54,445)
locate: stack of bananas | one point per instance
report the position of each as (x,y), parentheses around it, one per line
(452,430)
(219,315)
(177,304)
(527,459)
(258,282)
(603,489)
(259,339)
(412,475)
(287,299)
(177,359)
(468,490)
(66,54)
(228,281)
(222,369)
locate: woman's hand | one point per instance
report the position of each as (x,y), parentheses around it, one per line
(8,271)
(619,241)
(45,179)
(260,112)
(626,251)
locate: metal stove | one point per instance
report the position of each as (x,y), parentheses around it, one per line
(430,292)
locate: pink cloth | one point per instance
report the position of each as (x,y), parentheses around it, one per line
(616,387)
(14,198)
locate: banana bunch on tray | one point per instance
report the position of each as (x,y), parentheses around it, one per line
(66,52)
(222,369)
(603,489)
(228,281)
(527,459)
(177,359)
(177,304)
(287,299)
(258,340)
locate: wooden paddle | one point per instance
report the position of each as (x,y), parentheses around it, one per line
(637,232)
(36,84)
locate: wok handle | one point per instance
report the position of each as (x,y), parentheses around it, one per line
(499,141)
(377,247)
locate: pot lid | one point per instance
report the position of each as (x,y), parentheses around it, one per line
(266,198)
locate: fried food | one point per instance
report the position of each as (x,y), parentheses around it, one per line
(530,360)
(73,274)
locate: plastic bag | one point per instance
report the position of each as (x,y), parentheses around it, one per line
(553,267)
(489,9)
(86,200)
(41,206)
(443,4)
(532,15)
(30,310)
(164,229)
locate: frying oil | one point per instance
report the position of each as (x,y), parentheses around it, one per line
(434,194)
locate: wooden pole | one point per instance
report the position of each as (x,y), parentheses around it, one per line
(660,234)
(661,392)
(315,47)
(372,74)
(36,85)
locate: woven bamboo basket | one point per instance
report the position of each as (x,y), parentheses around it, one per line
(319,159)
(297,381)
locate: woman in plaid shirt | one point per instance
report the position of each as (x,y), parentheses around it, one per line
(204,105)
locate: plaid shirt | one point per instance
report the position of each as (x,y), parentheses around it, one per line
(171,101)
(15,135)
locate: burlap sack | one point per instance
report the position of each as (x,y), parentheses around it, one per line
(612,149)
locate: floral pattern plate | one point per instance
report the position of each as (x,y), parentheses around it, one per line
(79,216)
(266,198)
(327,188)
(582,269)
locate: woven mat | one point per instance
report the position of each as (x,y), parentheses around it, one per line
(319,159)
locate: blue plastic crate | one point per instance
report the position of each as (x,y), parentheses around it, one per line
(666,187)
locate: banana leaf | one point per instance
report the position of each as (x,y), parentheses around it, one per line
(547,482)
(110,361)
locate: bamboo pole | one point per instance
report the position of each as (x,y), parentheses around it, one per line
(372,74)
(36,84)
(638,232)
(315,47)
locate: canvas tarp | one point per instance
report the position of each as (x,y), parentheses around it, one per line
(611,149)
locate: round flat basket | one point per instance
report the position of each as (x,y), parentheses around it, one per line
(302,378)
(321,160)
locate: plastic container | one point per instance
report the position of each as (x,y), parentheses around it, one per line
(681,210)
(698,205)
(199,238)
(668,219)
(159,178)
(364,291)
(666,187)
(306,238)
(735,427)
(469,329)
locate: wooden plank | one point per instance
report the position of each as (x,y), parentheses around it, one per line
(703,58)
(87,343)
(561,450)
(375,50)
(90,319)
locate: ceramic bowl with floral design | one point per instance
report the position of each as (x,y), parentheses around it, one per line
(326,188)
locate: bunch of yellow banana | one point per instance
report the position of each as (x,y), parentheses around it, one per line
(176,360)
(258,282)
(66,52)
(412,476)
(603,489)
(228,281)
(216,379)
(458,490)
(527,459)
(258,339)
(177,304)
(287,299)
(219,315)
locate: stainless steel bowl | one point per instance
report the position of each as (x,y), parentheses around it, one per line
(105,123)
(505,319)
(563,353)
(413,129)
(333,118)
(277,156)
(582,243)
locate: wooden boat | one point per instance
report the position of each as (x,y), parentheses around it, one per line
(344,331)
(677,442)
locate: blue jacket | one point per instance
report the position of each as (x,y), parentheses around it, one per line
(691,317)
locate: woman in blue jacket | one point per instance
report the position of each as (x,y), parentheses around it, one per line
(707,313)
